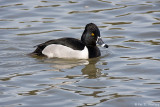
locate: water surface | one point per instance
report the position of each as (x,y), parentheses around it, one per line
(126,75)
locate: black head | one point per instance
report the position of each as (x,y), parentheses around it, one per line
(91,36)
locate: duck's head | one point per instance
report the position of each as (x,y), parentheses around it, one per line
(91,36)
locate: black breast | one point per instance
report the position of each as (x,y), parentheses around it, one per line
(93,51)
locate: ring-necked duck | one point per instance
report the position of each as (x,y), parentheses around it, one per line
(73,48)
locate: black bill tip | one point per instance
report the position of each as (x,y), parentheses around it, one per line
(106,46)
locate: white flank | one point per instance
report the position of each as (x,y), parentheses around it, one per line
(61,51)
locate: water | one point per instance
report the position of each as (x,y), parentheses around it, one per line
(126,75)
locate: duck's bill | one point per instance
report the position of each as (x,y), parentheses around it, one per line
(101,43)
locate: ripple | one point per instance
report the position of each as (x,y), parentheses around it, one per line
(10,28)
(95,11)
(19,4)
(33,33)
(47,6)
(117,23)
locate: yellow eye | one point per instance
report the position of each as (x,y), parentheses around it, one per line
(92,34)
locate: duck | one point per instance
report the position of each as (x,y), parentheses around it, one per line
(72,48)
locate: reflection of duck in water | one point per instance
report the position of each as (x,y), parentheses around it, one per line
(91,70)
(73,48)
(60,64)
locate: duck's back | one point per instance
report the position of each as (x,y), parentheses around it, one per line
(63,48)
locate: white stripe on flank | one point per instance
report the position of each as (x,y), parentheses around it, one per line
(61,51)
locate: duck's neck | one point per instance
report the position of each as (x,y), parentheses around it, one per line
(93,51)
